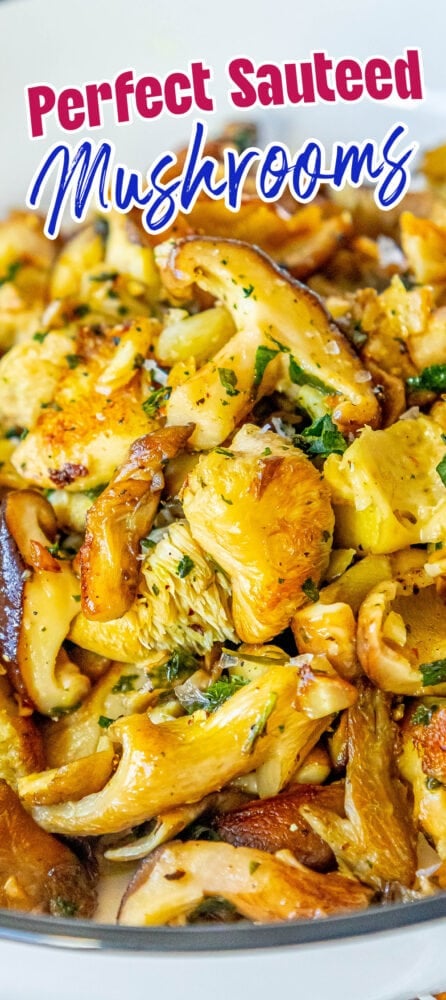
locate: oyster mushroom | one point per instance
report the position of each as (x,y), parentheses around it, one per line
(401,641)
(118,520)
(174,880)
(263,513)
(377,840)
(39,600)
(179,762)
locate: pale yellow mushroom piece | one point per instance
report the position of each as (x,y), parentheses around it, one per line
(261,510)
(21,746)
(386,490)
(40,597)
(401,640)
(262,887)
(284,338)
(180,762)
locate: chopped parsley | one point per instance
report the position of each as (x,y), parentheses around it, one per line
(423,715)
(11,272)
(40,336)
(125,684)
(228,379)
(214,908)
(156,399)
(248,291)
(259,726)
(321,438)
(225,452)
(310,590)
(431,379)
(441,469)
(95,491)
(262,359)
(179,665)
(81,310)
(226,499)
(432,784)
(433,673)
(104,722)
(63,907)
(300,377)
(253,866)
(184,567)
(73,360)
(216,694)
(60,710)
(105,276)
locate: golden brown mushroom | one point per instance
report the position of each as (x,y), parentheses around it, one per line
(180,762)
(119,519)
(174,880)
(263,513)
(37,871)
(39,600)
(284,340)
(377,840)
(276,824)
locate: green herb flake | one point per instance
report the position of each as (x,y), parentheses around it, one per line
(105,276)
(184,567)
(432,784)
(11,272)
(76,597)
(147,543)
(214,909)
(228,379)
(247,292)
(216,694)
(310,590)
(441,469)
(24,434)
(259,726)
(81,310)
(321,438)
(225,452)
(253,866)
(60,907)
(262,359)
(95,491)
(155,590)
(40,336)
(73,360)
(266,452)
(126,683)
(431,379)
(300,377)
(156,399)
(226,499)
(433,673)
(422,715)
(179,666)
(104,722)
(60,711)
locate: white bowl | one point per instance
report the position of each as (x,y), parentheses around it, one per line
(389,952)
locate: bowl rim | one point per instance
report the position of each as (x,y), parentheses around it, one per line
(86,934)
